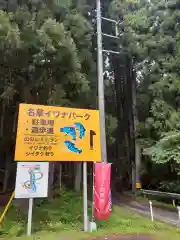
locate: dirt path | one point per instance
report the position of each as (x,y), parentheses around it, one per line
(169,216)
(121,237)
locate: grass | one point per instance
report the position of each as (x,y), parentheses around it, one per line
(61,218)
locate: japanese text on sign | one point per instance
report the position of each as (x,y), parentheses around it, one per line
(57,114)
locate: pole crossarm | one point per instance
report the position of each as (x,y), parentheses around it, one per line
(110,51)
(108,35)
(110,20)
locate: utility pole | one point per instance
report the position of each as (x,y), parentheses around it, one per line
(101,85)
(101,77)
(100,51)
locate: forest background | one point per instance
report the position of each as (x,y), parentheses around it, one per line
(48,56)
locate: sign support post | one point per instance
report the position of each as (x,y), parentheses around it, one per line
(29,225)
(31,182)
(85,197)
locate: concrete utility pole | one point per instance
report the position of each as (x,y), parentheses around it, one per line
(100,51)
(101,85)
(101,77)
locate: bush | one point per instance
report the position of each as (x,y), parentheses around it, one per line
(170,186)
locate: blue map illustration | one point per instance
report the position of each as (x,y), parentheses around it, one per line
(34,175)
(72,131)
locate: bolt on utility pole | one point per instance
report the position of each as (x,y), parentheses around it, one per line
(101,85)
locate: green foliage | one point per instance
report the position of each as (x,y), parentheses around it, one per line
(166,149)
(63,212)
(170,186)
(14,223)
(42,54)
(149,34)
(46,56)
(111,127)
(152,38)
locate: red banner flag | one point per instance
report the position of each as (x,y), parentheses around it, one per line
(102,178)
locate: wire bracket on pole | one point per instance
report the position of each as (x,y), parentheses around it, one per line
(110,51)
(110,36)
(116,27)
(109,19)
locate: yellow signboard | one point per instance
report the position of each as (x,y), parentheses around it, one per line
(47,133)
(138,185)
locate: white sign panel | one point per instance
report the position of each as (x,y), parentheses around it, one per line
(32,180)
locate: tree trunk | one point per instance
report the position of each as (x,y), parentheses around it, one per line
(2,119)
(133,177)
(78,176)
(138,165)
(51,179)
(60,176)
